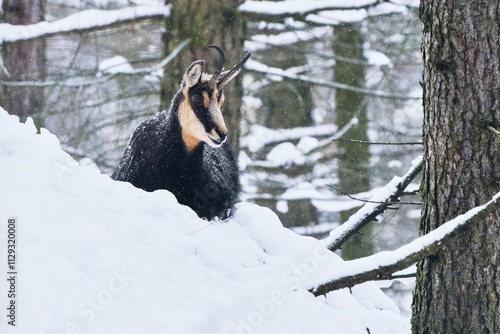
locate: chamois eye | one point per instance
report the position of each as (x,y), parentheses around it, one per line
(197,100)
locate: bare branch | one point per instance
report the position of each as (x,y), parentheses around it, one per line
(255,66)
(382,265)
(264,10)
(84,21)
(320,54)
(260,136)
(391,192)
(369,201)
(395,277)
(86,81)
(378,142)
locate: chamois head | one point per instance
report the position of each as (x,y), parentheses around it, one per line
(200,113)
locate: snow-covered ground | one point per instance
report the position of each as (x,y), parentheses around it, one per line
(99,256)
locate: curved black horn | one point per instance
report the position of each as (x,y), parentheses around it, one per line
(229,75)
(218,71)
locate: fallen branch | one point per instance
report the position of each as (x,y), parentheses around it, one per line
(376,205)
(383,264)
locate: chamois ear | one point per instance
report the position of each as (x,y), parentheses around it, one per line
(193,73)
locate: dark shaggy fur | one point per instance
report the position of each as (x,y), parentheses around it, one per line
(201,176)
(170,151)
(205,179)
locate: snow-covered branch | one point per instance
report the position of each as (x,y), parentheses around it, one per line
(84,21)
(308,10)
(374,207)
(255,66)
(289,7)
(100,77)
(384,264)
(383,143)
(260,136)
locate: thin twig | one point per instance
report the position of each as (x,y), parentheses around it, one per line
(378,142)
(394,277)
(85,81)
(257,67)
(368,201)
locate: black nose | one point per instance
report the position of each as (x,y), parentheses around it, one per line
(222,134)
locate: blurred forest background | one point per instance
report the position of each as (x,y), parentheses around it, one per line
(318,82)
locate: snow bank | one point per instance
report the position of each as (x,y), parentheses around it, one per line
(99,256)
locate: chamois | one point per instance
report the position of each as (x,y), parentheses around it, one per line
(184,150)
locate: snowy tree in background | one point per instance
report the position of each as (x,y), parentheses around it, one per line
(23,61)
(206,22)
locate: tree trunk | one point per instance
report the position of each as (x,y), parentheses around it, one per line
(285,103)
(458,290)
(206,22)
(25,61)
(354,175)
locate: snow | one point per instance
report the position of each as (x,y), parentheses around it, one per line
(116,64)
(307,144)
(285,154)
(328,11)
(338,16)
(87,19)
(298,6)
(377,58)
(315,229)
(261,41)
(260,136)
(282,206)
(100,256)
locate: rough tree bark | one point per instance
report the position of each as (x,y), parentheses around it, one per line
(206,22)
(458,289)
(25,61)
